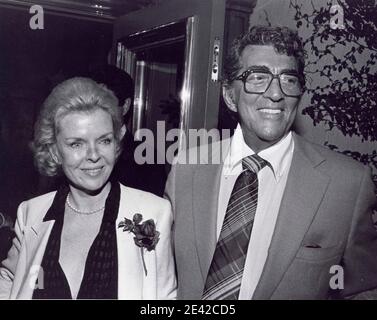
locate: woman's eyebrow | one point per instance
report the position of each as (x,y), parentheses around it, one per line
(105,135)
(82,139)
(74,138)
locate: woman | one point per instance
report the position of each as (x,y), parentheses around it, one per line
(92,238)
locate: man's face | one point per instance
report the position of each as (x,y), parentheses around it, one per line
(264,118)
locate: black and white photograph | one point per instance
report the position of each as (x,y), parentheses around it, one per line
(188,150)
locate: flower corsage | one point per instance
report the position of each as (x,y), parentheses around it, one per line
(146,235)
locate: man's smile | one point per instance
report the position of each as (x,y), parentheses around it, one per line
(270,111)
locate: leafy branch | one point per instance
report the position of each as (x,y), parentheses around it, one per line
(348,104)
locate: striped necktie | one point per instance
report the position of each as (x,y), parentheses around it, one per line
(225,273)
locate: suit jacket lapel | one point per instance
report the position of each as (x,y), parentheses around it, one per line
(304,191)
(206,186)
(205,213)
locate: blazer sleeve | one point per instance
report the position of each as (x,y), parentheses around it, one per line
(9,265)
(166,279)
(360,256)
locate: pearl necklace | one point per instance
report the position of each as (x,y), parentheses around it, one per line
(82,212)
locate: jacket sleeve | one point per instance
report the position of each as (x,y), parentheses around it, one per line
(360,256)
(9,265)
(166,278)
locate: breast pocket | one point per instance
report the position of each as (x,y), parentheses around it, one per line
(318,253)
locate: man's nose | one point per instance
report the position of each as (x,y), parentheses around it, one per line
(274,92)
(92,153)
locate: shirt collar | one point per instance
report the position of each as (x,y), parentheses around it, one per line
(278,155)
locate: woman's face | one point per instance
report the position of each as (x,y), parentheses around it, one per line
(86,148)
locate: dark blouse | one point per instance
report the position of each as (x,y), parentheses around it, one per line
(100,279)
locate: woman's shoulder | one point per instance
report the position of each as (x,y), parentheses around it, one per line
(36,208)
(41,199)
(145,202)
(142,195)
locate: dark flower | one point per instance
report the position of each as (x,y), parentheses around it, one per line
(146,235)
(137,218)
(127,225)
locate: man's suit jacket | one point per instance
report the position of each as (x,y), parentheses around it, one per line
(19,271)
(325,219)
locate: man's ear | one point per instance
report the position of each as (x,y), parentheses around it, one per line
(228,95)
(54,154)
(126,106)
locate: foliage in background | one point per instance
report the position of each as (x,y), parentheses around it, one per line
(347,101)
(346,97)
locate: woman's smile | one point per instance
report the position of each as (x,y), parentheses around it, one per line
(86,148)
(93,172)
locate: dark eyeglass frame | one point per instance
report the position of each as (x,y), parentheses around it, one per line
(243,77)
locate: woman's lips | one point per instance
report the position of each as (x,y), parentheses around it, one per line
(92,171)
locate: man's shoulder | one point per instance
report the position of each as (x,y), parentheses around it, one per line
(208,153)
(332,158)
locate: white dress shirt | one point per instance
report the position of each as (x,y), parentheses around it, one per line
(271,185)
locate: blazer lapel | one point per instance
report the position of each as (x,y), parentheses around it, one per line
(304,191)
(130,276)
(35,242)
(205,213)
(129,265)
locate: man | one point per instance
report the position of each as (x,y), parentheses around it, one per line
(121,83)
(278,217)
(147,177)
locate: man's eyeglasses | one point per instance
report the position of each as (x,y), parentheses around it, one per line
(258,81)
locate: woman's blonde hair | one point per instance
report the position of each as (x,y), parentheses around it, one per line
(72,95)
